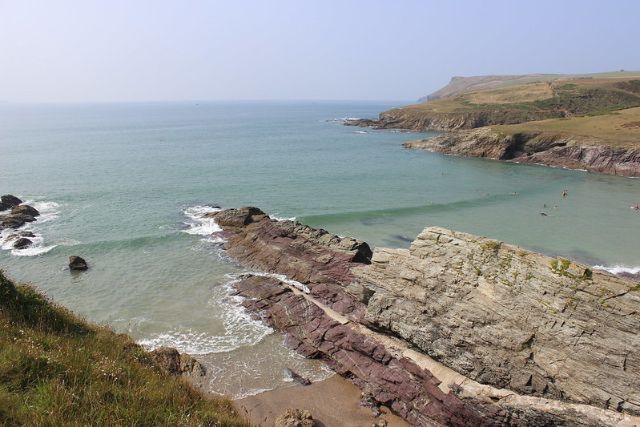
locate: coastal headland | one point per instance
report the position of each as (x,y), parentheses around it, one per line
(588,122)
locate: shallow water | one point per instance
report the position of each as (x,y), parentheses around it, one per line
(121,185)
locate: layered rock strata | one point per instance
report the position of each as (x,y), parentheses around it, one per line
(456,330)
(536,148)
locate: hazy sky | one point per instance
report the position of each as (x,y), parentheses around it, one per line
(137,50)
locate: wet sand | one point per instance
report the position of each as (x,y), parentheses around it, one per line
(334,402)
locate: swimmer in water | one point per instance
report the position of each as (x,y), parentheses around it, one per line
(565,193)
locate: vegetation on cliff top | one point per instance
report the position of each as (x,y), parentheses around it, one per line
(56,369)
(615,129)
(562,97)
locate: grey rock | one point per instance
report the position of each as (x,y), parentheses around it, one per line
(77,263)
(22,243)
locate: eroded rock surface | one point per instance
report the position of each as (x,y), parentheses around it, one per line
(295,418)
(172,362)
(512,318)
(536,148)
(456,330)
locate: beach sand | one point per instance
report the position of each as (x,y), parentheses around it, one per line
(334,402)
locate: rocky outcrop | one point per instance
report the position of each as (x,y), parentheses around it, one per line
(8,201)
(77,263)
(295,418)
(536,148)
(169,360)
(321,260)
(414,118)
(456,330)
(18,214)
(512,318)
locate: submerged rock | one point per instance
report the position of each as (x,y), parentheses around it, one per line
(171,361)
(295,418)
(77,263)
(296,377)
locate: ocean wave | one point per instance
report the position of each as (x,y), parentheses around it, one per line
(49,211)
(240,329)
(343,119)
(375,216)
(618,269)
(360,131)
(279,218)
(198,224)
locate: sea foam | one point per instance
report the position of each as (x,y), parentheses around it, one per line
(240,329)
(198,224)
(618,269)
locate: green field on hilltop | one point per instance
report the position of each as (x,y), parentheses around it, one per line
(616,129)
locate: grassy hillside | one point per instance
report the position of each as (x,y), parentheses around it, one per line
(560,97)
(57,370)
(508,100)
(615,129)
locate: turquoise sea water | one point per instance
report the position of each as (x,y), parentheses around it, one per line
(120,184)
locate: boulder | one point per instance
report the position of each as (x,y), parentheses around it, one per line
(237,217)
(8,201)
(295,418)
(22,243)
(25,210)
(77,263)
(296,377)
(15,220)
(170,361)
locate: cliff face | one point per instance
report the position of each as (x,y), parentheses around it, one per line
(511,318)
(536,148)
(457,330)
(420,121)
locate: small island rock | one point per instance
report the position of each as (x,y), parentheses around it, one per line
(22,243)
(77,263)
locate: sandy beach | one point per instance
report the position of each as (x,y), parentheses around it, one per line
(334,402)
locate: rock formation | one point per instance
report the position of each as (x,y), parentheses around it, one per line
(295,418)
(536,148)
(18,215)
(77,263)
(456,330)
(8,201)
(171,361)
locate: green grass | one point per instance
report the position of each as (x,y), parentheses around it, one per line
(58,370)
(617,129)
(533,101)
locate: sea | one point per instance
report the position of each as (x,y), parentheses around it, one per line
(125,185)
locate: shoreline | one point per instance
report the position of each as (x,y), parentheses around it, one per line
(333,402)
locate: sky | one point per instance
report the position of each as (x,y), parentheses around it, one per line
(123,50)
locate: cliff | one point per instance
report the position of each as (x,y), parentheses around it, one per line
(456,330)
(535,147)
